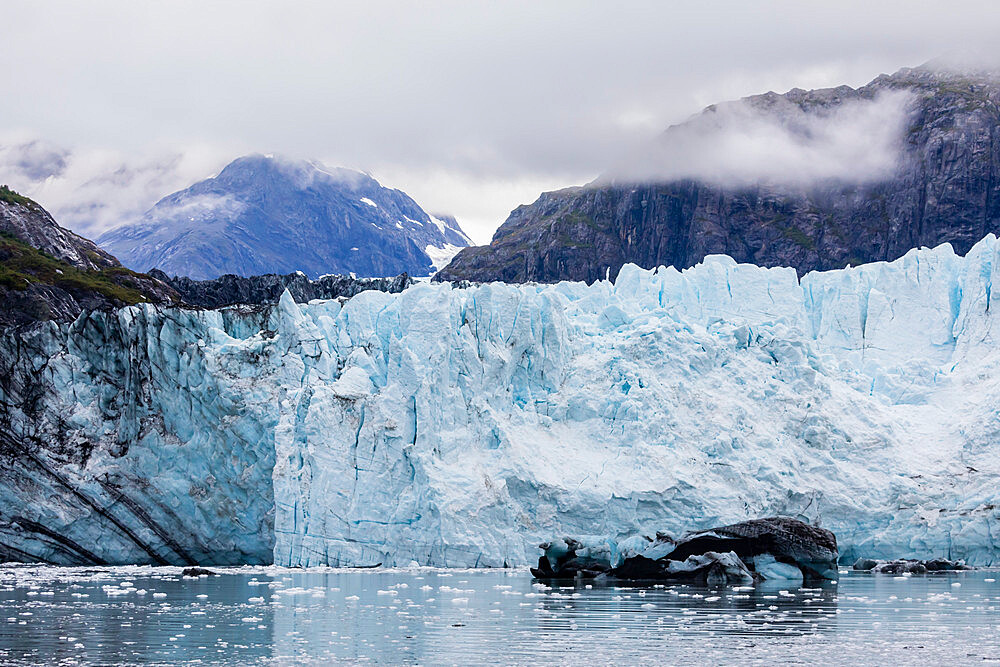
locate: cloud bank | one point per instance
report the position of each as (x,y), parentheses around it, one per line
(771,139)
(94,190)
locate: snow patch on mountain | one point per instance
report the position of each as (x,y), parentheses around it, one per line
(441,256)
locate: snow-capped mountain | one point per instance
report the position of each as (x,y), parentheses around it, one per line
(264,214)
(463,426)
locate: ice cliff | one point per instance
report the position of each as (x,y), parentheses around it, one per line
(461,427)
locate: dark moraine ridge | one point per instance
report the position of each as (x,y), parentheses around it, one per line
(231,289)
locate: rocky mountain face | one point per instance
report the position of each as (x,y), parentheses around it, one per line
(49,273)
(268,215)
(26,220)
(943,187)
(267,289)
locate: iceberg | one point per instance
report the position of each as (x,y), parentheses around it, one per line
(464,426)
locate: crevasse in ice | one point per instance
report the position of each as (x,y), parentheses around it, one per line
(461,427)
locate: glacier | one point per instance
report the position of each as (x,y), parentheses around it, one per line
(463,426)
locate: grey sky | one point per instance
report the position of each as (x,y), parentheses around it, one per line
(470,107)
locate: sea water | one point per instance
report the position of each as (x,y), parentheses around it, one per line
(51,615)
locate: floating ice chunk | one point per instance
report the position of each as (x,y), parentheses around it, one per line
(769,569)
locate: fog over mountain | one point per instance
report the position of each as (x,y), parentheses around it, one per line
(92,190)
(772,139)
(813,180)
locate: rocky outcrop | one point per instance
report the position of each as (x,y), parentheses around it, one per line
(771,548)
(710,569)
(50,273)
(810,548)
(28,222)
(267,289)
(909,566)
(945,188)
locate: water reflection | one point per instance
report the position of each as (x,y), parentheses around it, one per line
(263,615)
(763,609)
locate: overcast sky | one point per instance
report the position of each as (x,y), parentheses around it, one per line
(471,107)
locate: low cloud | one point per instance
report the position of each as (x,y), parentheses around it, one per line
(304,174)
(772,139)
(198,209)
(93,190)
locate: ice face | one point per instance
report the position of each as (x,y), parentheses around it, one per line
(463,427)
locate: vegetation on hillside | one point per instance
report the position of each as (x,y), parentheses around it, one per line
(11,197)
(22,265)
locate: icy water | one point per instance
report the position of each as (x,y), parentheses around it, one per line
(147,615)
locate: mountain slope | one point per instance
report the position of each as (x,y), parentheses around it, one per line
(49,273)
(267,215)
(943,185)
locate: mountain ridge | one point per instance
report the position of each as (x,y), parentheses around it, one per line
(263,214)
(49,273)
(944,188)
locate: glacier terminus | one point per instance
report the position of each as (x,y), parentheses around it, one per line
(462,426)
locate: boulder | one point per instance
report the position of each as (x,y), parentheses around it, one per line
(909,566)
(943,564)
(865,564)
(900,567)
(710,569)
(810,548)
(567,558)
(775,548)
(197,572)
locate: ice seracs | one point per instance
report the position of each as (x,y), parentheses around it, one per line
(463,427)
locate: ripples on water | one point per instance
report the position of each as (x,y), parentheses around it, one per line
(52,615)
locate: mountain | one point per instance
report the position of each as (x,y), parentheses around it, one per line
(264,215)
(462,427)
(48,272)
(942,184)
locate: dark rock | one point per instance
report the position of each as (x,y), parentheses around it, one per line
(569,558)
(911,565)
(50,273)
(944,189)
(812,549)
(710,568)
(721,555)
(900,567)
(943,564)
(584,566)
(27,221)
(267,289)
(865,564)
(198,572)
